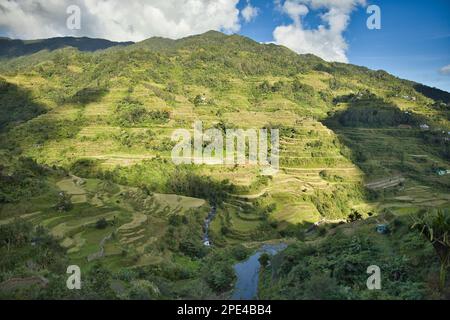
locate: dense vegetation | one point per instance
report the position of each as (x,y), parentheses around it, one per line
(15,48)
(316,271)
(86,176)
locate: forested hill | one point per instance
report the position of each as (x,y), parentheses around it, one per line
(85,141)
(15,48)
(10,48)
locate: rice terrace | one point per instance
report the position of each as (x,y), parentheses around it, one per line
(104,167)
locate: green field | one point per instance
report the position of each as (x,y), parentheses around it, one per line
(86,148)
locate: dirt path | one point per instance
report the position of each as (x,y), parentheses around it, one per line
(101,253)
(385,183)
(23,216)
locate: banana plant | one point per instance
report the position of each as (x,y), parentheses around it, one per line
(435,226)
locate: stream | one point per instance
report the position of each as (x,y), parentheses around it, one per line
(208,220)
(247,273)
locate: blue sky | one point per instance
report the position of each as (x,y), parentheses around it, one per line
(413,42)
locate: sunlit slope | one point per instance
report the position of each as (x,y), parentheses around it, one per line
(118,109)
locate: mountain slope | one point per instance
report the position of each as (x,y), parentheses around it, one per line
(15,48)
(95,128)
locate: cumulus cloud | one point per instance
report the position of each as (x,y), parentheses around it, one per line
(445,70)
(119,20)
(327,40)
(249,12)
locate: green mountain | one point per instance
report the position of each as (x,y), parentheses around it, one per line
(14,48)
(87,177)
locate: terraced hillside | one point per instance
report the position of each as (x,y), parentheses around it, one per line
(86,139)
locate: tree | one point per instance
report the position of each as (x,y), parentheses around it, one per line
(15,234)
(193,249)
(264,260)
(98,280)
(435,226)
(199,100)
(64,202)
(265,87)
(219,275)
(354,216)
(323,287)
(101,223)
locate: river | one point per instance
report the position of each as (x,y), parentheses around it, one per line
(208,220)
(247,273)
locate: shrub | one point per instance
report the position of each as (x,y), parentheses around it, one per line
(101,223)
(322,287)
(220,276)
(239,252)
(64,203)
(264,260)
(200,100)
(354,216)
(193,249)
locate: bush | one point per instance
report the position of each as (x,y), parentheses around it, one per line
(264,260)
(193,249)
(132,112)
(220,276)
(64,203)
(85,168)
(15,234)
(177,220)
(322,287)
(101,223)
(354,216)
(239,252)
(143,290)
(199,100)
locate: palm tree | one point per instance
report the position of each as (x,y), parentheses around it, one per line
(435,226)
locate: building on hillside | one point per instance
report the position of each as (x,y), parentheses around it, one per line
(382,229)
(424,127)
(442,172)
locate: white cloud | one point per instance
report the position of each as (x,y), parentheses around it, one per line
(295,10)
(327,40)
(249,12)
(117,19)
(445,70)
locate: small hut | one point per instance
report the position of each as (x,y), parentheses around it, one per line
(382,228)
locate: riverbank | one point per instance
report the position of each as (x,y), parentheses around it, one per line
(247,272)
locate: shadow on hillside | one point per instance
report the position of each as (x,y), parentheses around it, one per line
(265,229)
(384,141)
(433,93)
(17,48)
(366,110)
(17,105)
(88,95)
(19,116)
